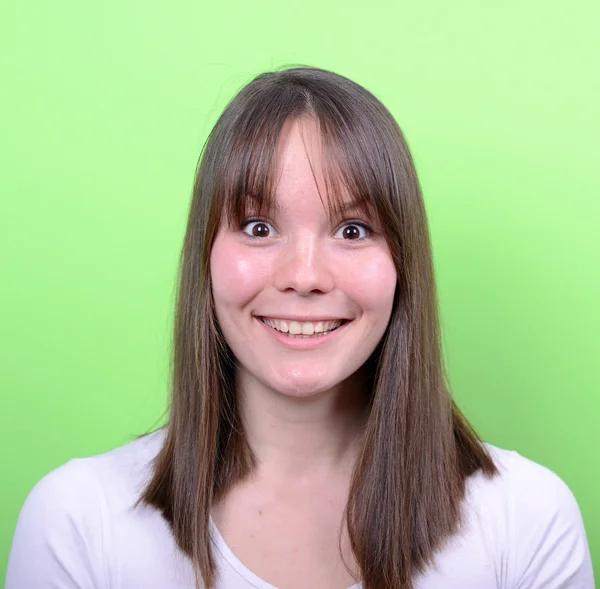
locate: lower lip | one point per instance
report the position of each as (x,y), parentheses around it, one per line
(301,343)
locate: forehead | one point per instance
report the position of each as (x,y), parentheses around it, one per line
(298,163)
(300,175)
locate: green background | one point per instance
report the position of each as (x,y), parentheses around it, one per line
(104,109)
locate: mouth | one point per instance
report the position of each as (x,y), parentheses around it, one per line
(303,329)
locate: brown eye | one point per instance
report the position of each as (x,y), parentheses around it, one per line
(351,232)
(354,231)
(258,229)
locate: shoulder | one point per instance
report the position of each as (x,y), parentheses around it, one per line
(529,485)
(124,470)
(544,535)
(533,493)
(83,482)
(62,523)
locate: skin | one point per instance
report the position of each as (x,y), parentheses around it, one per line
(302,409)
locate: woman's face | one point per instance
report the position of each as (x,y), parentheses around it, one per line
(301,299)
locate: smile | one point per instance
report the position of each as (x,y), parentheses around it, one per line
(304,329)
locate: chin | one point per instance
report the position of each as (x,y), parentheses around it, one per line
(297,386)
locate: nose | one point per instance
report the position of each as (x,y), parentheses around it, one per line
(304,266)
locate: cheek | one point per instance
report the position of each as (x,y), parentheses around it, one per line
(235,276)
(374,284)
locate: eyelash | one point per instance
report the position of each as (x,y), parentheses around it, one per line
(360,224)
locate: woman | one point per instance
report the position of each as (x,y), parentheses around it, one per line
(312,442)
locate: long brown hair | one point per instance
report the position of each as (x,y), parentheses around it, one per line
(418,449)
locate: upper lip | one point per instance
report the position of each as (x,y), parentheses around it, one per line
(306,319)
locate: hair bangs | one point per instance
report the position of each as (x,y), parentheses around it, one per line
(352,185)
(249,170)
(355,163)
(356,179)
(249,182)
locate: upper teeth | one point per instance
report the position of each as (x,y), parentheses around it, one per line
(304,328)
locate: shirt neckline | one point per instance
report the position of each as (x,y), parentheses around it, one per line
(239,566)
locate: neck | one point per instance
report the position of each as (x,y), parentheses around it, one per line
(302,437)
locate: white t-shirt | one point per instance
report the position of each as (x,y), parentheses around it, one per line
(77,529)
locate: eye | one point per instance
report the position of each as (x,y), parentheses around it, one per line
(353,231)
(257,228)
